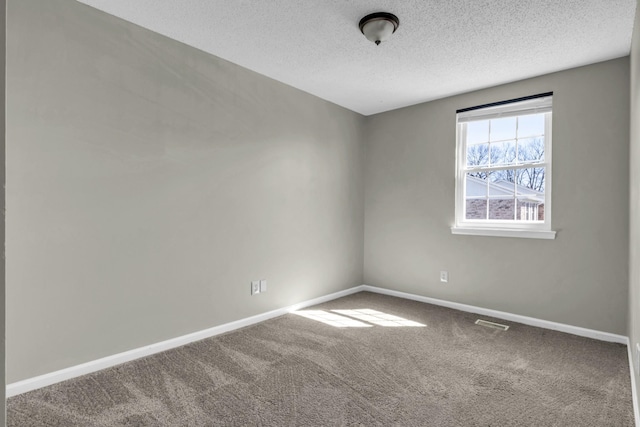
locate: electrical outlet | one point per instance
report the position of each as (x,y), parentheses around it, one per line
(255,287)
(263,286)
(444,276)
(637,359)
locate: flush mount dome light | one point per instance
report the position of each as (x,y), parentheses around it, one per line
(379,26)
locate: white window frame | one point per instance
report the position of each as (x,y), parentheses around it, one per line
(504,228)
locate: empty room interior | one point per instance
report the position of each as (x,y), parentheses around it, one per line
(416,213)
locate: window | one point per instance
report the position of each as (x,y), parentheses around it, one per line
(503,172)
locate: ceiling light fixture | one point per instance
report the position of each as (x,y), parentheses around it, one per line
(379,26)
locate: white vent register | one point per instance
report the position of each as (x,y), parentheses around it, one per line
(491,325)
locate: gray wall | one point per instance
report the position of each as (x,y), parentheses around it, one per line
(580,278)
(634,179)
(148,183)
(3,44)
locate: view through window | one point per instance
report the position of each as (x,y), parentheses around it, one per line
(504,165)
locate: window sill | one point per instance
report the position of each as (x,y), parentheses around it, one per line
(503,232)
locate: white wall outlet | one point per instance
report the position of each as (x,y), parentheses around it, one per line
(444,276)
(637,359)
(255,287)
(263,286)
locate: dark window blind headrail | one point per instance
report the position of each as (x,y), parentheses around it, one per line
(509,101)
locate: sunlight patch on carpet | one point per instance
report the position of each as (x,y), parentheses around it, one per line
(360,318)
(332,319)
(379,318)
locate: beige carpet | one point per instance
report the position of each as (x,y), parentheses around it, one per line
(377,371)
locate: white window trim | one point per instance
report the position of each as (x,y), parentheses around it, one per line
(501,228)
(500,232)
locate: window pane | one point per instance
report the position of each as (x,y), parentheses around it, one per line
(503,176)
(531,150)
(528,210)
(478,132)
(501,195)
(478,154)
(503,153)
(532,125)
(476,196)
(502,129)
(530,194)
(501,209)
(531,181)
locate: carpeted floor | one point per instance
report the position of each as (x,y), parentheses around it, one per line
(377,371)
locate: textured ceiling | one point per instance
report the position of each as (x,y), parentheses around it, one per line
(442,47)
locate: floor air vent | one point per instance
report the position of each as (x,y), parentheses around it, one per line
(491,325)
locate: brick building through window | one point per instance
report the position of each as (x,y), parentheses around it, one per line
(506,201)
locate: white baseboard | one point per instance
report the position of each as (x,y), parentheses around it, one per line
(29,384)
(117,359)
(634,389)
(531,321)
